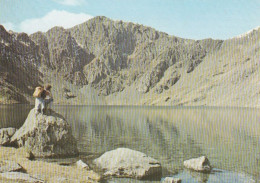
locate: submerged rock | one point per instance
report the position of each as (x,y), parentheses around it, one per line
(123,162)
(46,136)
(200,164)
(171,180)
(5,135)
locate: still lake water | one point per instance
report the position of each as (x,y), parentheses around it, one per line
(229,137)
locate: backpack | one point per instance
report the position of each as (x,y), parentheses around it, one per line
(38,92)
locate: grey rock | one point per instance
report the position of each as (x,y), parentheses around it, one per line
(5,135)
(18,176)
(46,135)
(171,180)
(10,166)
(200,164)
(123,162)
(159,89)
(82,165)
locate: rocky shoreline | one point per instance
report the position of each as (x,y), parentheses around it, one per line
(41,171)
(50,136)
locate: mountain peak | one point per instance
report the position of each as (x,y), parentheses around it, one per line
(248,32)
(56,28)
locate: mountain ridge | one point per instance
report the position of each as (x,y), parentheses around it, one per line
(102,61)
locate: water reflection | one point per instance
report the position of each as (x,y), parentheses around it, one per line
(230,137)
(13,115)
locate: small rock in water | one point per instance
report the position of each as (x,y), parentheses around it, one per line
(10,166)
(200,164)
(18,176)
(82,165)
(123,162)
(5,136)
(171,180)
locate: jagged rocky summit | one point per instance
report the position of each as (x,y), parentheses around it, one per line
(102,61)
(46,136)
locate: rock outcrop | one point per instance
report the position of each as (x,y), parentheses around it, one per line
(5,135)
(123,162)
(46,136)
(200,164)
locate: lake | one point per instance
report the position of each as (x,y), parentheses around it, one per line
(229,137)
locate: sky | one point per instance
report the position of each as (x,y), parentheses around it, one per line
(193,19)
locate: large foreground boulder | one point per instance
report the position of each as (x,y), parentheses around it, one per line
(46,136)
(124,162)
(200,164)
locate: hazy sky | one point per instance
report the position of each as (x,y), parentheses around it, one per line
(196,19)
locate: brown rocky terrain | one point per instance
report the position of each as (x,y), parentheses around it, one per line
(121,63)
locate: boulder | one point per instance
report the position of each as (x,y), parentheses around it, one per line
(200,164)
(46,136)
(123,162)
(18,176)
(9,166)
(171,180)
(82,165)
(5,135)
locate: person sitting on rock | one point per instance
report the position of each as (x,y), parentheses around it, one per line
(39,95)
(48,100)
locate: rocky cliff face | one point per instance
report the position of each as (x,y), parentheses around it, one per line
(19,60)
(112,62)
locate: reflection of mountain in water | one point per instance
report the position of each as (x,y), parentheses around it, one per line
(13,115)
(228,136)
(103,129)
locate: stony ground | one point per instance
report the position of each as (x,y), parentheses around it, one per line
(49,172)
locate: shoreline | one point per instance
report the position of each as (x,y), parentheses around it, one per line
(45,171)
(141,106)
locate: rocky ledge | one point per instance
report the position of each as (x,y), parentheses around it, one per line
(46,136)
